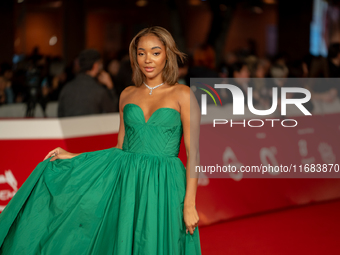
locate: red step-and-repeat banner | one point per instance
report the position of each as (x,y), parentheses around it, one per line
(25,143)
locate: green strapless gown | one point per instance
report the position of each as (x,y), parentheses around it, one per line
(110,201)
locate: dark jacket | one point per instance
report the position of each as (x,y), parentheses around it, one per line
(85,96)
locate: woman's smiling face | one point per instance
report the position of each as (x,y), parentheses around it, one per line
(151,56)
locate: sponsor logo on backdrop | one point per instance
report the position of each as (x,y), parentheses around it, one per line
(7,194)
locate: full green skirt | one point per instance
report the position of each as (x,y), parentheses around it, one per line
(103,202)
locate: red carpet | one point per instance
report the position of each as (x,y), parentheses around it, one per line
(311,229)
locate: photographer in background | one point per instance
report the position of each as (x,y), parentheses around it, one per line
(91,92)
(6,92)
(33,80)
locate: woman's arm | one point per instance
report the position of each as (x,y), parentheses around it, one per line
(60,153)
(121,132)
(191,118)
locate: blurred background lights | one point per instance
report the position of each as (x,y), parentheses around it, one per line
(56,4)
(141,3)
(257,9)
(20,1)
(269,1)
(195,2)
(53,40)
(223,7)
(17,42)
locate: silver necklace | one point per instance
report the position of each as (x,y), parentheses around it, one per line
(152,88)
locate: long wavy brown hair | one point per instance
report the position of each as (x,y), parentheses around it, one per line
(170,71)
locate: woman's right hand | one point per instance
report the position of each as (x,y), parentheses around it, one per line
(59,153)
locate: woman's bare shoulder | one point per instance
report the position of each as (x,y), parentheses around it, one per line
(127,91)
(182,92)
(124,95)
(186,98)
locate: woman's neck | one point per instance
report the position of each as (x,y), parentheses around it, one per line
(153,82)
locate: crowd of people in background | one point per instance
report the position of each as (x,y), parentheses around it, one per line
(40,79)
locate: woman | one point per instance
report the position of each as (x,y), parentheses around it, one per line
(135,198)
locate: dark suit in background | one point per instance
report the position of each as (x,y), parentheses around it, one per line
(85,96)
